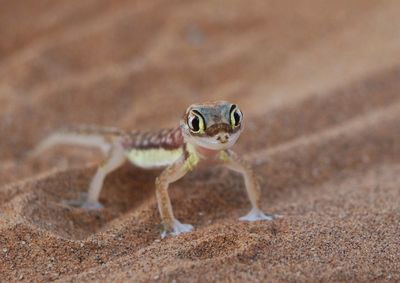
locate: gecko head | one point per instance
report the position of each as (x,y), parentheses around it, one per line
(214,126)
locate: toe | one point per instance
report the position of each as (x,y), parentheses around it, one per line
(92,205)
(256,215)
(177,229)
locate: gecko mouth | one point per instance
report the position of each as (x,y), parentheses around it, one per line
(220,141)
(223,141)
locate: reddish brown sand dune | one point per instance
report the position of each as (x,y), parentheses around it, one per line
(318,81)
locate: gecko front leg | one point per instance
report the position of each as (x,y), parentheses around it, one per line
(232,161)
(168,176)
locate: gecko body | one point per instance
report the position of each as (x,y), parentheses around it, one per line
(205,135)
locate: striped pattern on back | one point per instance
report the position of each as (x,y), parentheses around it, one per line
(166,139)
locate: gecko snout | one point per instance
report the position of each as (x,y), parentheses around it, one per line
(223,137)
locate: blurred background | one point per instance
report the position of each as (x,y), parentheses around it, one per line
(318,82)
(139,64)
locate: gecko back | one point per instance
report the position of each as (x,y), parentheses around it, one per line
(154,149)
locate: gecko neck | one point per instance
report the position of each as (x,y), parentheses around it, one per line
(205,153)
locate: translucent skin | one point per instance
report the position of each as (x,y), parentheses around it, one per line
(206,134)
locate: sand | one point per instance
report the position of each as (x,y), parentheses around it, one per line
(319,85)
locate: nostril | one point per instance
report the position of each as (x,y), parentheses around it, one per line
(223,138)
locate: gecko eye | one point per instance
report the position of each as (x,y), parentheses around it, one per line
(236,116)
(196,122)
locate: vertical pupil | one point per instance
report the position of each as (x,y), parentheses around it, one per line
(236,116)
(196,124)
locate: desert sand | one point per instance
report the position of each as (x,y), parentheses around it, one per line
(319,85)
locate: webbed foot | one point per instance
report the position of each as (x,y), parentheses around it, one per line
(92,205)
(84,203)
(177,228)
(256,215)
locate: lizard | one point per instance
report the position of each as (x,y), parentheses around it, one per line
(205,135)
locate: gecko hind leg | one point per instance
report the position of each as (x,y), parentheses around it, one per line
(116,158)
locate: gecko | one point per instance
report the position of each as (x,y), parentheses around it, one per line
(205,135)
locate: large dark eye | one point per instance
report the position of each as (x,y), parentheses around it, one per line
(196,123)
(236,116)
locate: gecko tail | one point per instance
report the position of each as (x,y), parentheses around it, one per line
(100,138)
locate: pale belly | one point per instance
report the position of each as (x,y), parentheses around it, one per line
(153,157)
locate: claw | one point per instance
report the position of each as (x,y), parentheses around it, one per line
(256,215)
(177,228)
